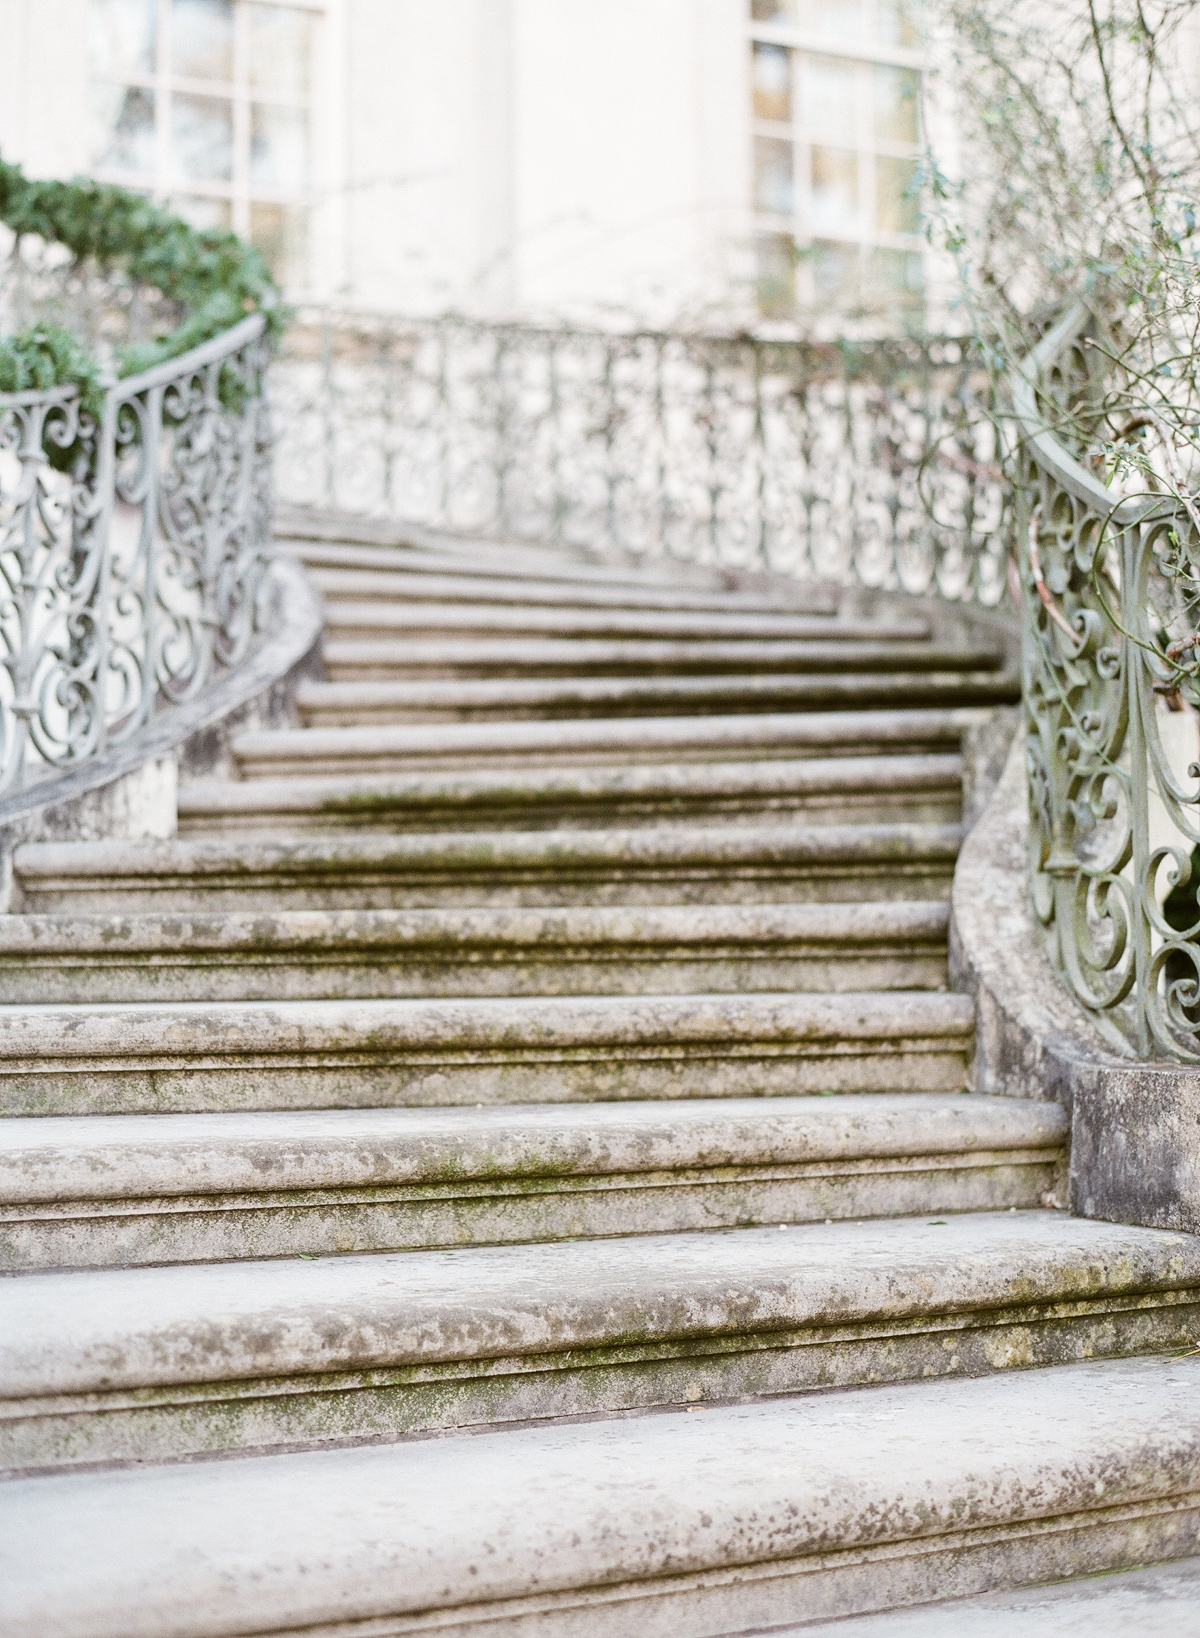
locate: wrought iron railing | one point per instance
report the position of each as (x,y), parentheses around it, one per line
(1111,593)
(863,462)
(133,539)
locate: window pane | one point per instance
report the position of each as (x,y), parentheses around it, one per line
(201,138)
(897,92)
(895,280)
(772,77)
(776,275)
(830,108)
(203,213)
(897,208)
(280,46)
(774,189)
(834,190)
(840,20)
(202,39)
(772,11)
(123,129)
(122,35)
(279,148)
(281,233)
(837,274)
(897,23)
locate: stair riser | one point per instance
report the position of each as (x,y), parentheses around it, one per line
(314,763)
(939,806)
(337,1081)
(496,889)
(228,977)
(343,1407)
(856,694)
(83,1234)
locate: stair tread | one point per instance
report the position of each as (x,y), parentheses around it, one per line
(465,556)
(1162,1602)
(384,616)
(111,1329)
(281,1542)
(224,1028)
(924,686)
(53,1158)
(771,844)
(101,937)
(438,584)
(620,734)
(661,782)
(648,656)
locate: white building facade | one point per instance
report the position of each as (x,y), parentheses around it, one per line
(648,161)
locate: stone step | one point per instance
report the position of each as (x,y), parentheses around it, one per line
(464,556)
(392,617)
(346,704)
(153,1363)
(385,659)
(918,788)
(1161,1602)
(600,741)
(675,1525)
(108,1190)
(427,583)
(201,1056)
(660,866)
(230,955)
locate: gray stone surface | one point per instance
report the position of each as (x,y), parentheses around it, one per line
(131,1059)
(1162,1602)
(585,741)
(714,865)
(389,617)
(294,954)
(382,659)
(342,704)
(176,1361)
(672,1526)
(110,1189)
(372,1140)
(920,788)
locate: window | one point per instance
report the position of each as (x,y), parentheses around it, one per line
(835,105)
(206,105)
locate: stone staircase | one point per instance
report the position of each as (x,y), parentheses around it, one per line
(514,1087)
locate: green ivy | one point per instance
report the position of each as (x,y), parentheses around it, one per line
(215,277)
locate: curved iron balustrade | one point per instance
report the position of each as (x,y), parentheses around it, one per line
(1111,597)
(868,462)
(133,545)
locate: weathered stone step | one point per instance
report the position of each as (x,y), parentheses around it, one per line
(718,865)
(598,741)
(445,584)
(343,704)
(136,1190)
(149,1363)
(513,561)
(1161,1602)
(392,617)
(108,1190)
(384,659)
(676,1525)
(919,788)
(296,954)
(194,1056)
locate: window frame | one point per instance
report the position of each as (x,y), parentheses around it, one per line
(241,193)
(865,55)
